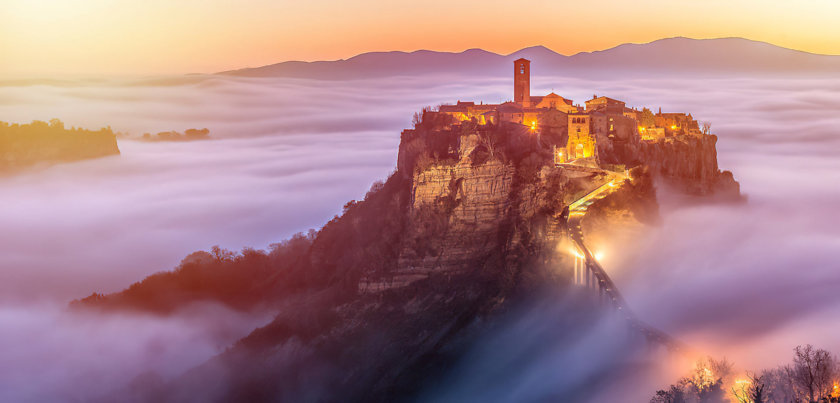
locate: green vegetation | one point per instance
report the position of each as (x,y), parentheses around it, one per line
(364,238)
(238,280)
(188,135)
(23,145)
(646,119)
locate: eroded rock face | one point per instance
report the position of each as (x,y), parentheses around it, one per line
(690,163)
(466,212)
(457,208)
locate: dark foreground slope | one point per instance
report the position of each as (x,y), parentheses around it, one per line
(380,302)
(40,142)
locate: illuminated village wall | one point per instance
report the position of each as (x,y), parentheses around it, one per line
(581,143)
(601,119)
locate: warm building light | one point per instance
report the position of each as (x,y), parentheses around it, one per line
(673,127)
(641,128)
(533,125)
(598,255)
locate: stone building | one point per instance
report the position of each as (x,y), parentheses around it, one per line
(605,104)
(676,124)
(554,101)
(522,82)
(581,143)
(604,123)
(524,109)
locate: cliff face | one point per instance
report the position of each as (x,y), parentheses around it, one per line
(496,209)
(385,296)
(690,163)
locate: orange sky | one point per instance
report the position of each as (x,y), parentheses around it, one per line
(57,37)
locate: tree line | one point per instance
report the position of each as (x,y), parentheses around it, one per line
(812,376)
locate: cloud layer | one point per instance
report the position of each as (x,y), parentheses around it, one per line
(287,154)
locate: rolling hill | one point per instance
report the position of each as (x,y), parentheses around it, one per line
(672,55)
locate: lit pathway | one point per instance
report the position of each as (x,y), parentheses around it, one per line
(596,274)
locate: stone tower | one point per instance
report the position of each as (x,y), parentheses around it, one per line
(522,82)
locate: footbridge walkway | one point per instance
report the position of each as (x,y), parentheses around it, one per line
(590,274)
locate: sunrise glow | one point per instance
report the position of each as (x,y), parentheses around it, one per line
(156,36)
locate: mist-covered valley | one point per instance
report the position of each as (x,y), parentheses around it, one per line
(746,281)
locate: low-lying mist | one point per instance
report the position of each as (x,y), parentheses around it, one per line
(748,281)
(48,354)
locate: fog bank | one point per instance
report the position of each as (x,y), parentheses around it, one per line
(746,281)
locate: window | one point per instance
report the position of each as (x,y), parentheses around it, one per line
(521,69)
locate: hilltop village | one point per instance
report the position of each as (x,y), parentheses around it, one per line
(601,123)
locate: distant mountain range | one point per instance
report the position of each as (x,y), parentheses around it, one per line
(671,55)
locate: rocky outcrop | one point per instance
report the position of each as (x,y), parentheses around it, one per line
(386,294)
(467,212)
(689,163)
(469,202)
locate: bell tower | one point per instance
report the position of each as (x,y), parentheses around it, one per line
(522,82)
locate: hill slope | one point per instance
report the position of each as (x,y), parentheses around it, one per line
(673,55)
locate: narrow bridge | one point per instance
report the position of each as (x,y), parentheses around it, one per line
(590,274)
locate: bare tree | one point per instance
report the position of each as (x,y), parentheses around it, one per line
(707,127)
(707,380)
(779,387)
(752,389)
(222,255)
(674,395)
(486,139)
(809,379)
(812,371)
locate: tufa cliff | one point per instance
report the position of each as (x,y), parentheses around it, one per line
(379,302)
(690,163)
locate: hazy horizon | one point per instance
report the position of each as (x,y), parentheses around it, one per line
(154,37)
(68,78)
